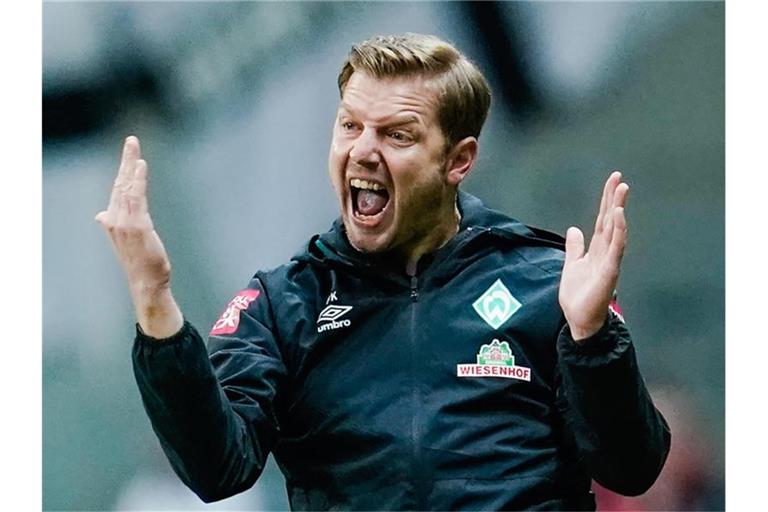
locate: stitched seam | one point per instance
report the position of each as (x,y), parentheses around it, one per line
(549,272)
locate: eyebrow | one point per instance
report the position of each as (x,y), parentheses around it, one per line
(411,119)
(394,120)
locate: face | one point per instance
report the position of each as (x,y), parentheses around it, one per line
(388,164)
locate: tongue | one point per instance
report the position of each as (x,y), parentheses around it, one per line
(371,202)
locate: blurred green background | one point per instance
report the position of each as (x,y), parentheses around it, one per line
(234,103)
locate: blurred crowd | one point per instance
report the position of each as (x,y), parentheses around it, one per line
(234,101)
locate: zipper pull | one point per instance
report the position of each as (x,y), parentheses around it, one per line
(414,289)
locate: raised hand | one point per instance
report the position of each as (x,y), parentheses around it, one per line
(588,279)
(138,247)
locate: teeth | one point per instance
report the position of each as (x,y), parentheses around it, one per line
(365,184)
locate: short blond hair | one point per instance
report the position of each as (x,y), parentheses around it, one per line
(464,93)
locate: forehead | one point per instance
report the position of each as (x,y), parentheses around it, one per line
(381,98)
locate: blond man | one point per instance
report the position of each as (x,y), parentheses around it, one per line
(426,352)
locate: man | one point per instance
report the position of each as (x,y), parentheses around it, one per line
(426,352)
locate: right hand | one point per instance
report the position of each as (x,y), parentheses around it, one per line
(138,247)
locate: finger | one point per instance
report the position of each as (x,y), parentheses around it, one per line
(138,190)
(611,184)
(617,212)
(619,239)
(605,204)
(106,221)
(132,148)
(607,235)
(620,198)
(574,244)
(131,152)
(603,207)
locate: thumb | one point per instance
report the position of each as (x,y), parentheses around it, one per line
(574,244)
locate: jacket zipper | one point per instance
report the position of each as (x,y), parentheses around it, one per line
(418,473)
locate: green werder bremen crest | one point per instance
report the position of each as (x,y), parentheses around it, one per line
(496,305)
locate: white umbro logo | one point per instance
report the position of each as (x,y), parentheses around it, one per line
(331,314)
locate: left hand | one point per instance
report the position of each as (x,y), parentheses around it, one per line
(588,280)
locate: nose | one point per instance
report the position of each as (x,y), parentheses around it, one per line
(365,149)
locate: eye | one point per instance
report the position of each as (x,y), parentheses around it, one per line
(399,136)
(347,126)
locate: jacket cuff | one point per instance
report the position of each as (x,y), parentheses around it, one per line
(603,341)
(146,340)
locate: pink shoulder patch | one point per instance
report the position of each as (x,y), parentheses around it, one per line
(230,318)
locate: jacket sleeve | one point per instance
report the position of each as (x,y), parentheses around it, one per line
(622,438)
(213,410)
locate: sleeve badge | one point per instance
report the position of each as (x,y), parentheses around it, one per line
(615,309)
(230,318)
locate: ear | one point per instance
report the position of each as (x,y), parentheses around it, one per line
(461,158)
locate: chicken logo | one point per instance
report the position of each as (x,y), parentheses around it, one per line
(495,360)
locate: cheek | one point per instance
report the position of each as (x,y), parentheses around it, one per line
(337,160)
(336,147)
(422,197)
(420,180)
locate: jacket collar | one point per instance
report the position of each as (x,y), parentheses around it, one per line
(478,222)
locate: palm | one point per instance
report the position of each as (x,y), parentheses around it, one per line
(588,279)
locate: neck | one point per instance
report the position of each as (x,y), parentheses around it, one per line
(437,238)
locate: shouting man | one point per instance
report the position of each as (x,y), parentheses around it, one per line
(426,352)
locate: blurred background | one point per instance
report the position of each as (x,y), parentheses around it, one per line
(233,103)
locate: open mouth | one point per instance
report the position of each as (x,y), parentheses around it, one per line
(369,199)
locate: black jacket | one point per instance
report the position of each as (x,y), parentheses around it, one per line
(379,391)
